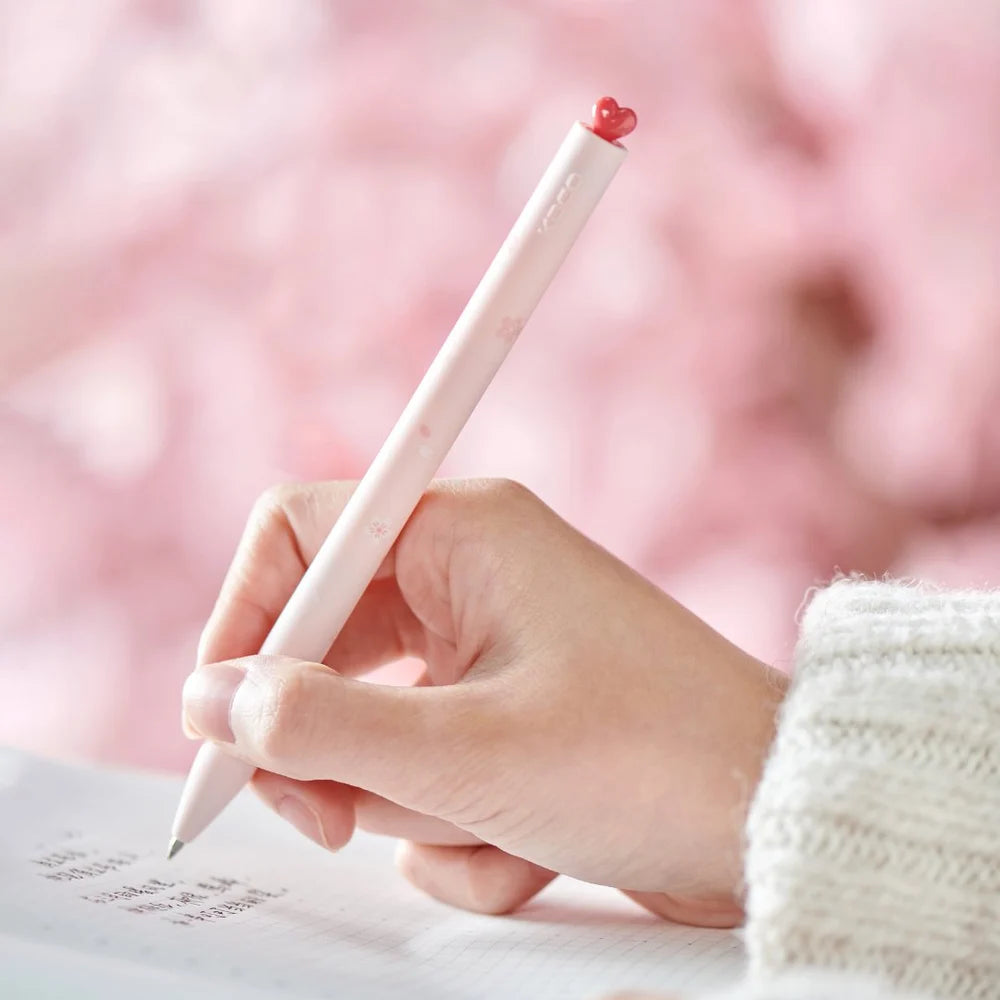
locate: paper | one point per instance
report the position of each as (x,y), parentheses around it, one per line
(89,907)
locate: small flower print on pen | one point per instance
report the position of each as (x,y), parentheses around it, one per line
(378,530)
(509,329)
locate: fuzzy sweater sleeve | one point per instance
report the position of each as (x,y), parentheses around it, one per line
(874,837)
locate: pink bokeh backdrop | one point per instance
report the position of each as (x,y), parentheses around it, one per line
(233,233)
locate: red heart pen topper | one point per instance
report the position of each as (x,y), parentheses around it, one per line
(612,122)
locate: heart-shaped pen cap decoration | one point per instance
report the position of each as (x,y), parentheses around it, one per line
(611,121)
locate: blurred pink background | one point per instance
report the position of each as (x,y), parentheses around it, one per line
(233,233)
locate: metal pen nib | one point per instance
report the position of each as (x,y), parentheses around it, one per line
(175,846)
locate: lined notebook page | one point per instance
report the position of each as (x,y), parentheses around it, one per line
(253,910)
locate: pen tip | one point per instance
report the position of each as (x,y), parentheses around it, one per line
(175,846)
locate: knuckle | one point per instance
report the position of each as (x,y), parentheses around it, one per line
(493,506)
(463,494)
(279,725)
(269,514)
(285,506)
(506,507)
(492,495)
(476,505)
(274,501)
(509,491)
(498,512)
(275,515)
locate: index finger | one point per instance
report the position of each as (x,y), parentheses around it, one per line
(285,530)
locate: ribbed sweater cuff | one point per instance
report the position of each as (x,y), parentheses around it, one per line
(874,837)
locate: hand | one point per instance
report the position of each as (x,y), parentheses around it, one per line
(571,718)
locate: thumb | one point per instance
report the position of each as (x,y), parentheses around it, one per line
(306,721)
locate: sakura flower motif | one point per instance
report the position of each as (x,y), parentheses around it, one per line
(378,530)
(509,329)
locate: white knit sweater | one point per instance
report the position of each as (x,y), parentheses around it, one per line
(874,838)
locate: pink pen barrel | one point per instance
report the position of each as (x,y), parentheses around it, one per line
(440,407)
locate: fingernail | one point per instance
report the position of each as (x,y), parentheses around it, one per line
(208,697)
(304,818)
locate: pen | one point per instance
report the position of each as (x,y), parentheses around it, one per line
(345,565)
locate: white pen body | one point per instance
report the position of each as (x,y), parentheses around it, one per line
(405,465)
